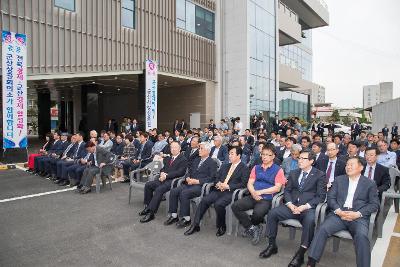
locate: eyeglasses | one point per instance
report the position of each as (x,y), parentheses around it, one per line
(303,158)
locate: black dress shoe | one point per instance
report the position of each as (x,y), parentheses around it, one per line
(297,260)
(149,217)
(269,251)
(193,229)
(221,231)
(125,181)
(85,190)
(171,220)
(182,223)
(58,181)
(48,175)
(73,182)
(144,212)
(64,183)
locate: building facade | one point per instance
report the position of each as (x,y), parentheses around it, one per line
(216,58)
(376,94)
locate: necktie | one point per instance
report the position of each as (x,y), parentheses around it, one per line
(77,149)
(302,181)
(230,172)
(200,163)
(370,172)
(329,170)
(68,148)
(171,161)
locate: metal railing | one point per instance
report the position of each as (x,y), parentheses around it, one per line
(287,10)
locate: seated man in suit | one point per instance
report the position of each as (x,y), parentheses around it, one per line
(55,149)
(68,153)
(219,151)
(332,166)
(306,188)
(142,158)
(98,159)
(352,198)
(106,143)
(192,152)
(266,179)
(202,171)
(174,167)
(375,171)
(62,167)
(319,155)
(230,177)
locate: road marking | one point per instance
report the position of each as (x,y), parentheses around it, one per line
(37,195)
(382,244)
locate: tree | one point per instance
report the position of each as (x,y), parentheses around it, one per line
(346,120)
(335,117)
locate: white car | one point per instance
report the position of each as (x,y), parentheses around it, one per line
(342,128)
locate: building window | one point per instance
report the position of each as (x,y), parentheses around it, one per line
(65,4)
(195,19)
(128,14)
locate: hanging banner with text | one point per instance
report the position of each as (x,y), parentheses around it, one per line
(151,94)
(14,90)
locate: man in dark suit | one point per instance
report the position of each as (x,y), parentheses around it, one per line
(57,155)
(306,188)
(51,167)
(376,171)
(202,170)
(320,157)
(98,160)
(352,198)
(352,151)
(142,157)
(219,151)
(54,149)
(338,141)
(61,176)
(332,165)
(192,152)
(230,177)
(174,167)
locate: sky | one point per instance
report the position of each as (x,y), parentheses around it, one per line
(361,46)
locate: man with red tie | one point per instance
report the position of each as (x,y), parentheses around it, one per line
(174,167)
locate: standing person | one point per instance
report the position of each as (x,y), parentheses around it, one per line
(395,131)
(238,127)
(352,199)
(385,132)
(355,130)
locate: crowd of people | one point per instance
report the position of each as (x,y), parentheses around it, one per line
(309,167)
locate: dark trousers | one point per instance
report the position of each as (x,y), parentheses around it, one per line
(281,213)
(183,194)
(358,230)
(39,164)
(88,174)
(75,171)
(51,165)
(260,209)
(220,201)
(128,166)
(61,169)
(154,192)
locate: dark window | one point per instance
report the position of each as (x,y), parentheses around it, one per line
(128,14)
(204,23)
(66,4)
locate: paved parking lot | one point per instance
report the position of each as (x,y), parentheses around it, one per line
(69,229)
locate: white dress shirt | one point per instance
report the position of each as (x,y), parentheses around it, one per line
(350,193)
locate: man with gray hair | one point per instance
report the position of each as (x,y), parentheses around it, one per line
(219,151)
(202,170)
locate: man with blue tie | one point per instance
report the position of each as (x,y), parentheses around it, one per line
(352,199)
(306,188)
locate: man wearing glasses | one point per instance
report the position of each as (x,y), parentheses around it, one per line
(265,181)
(306,188)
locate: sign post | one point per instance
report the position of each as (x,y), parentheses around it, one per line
(151,94)
(14,99)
